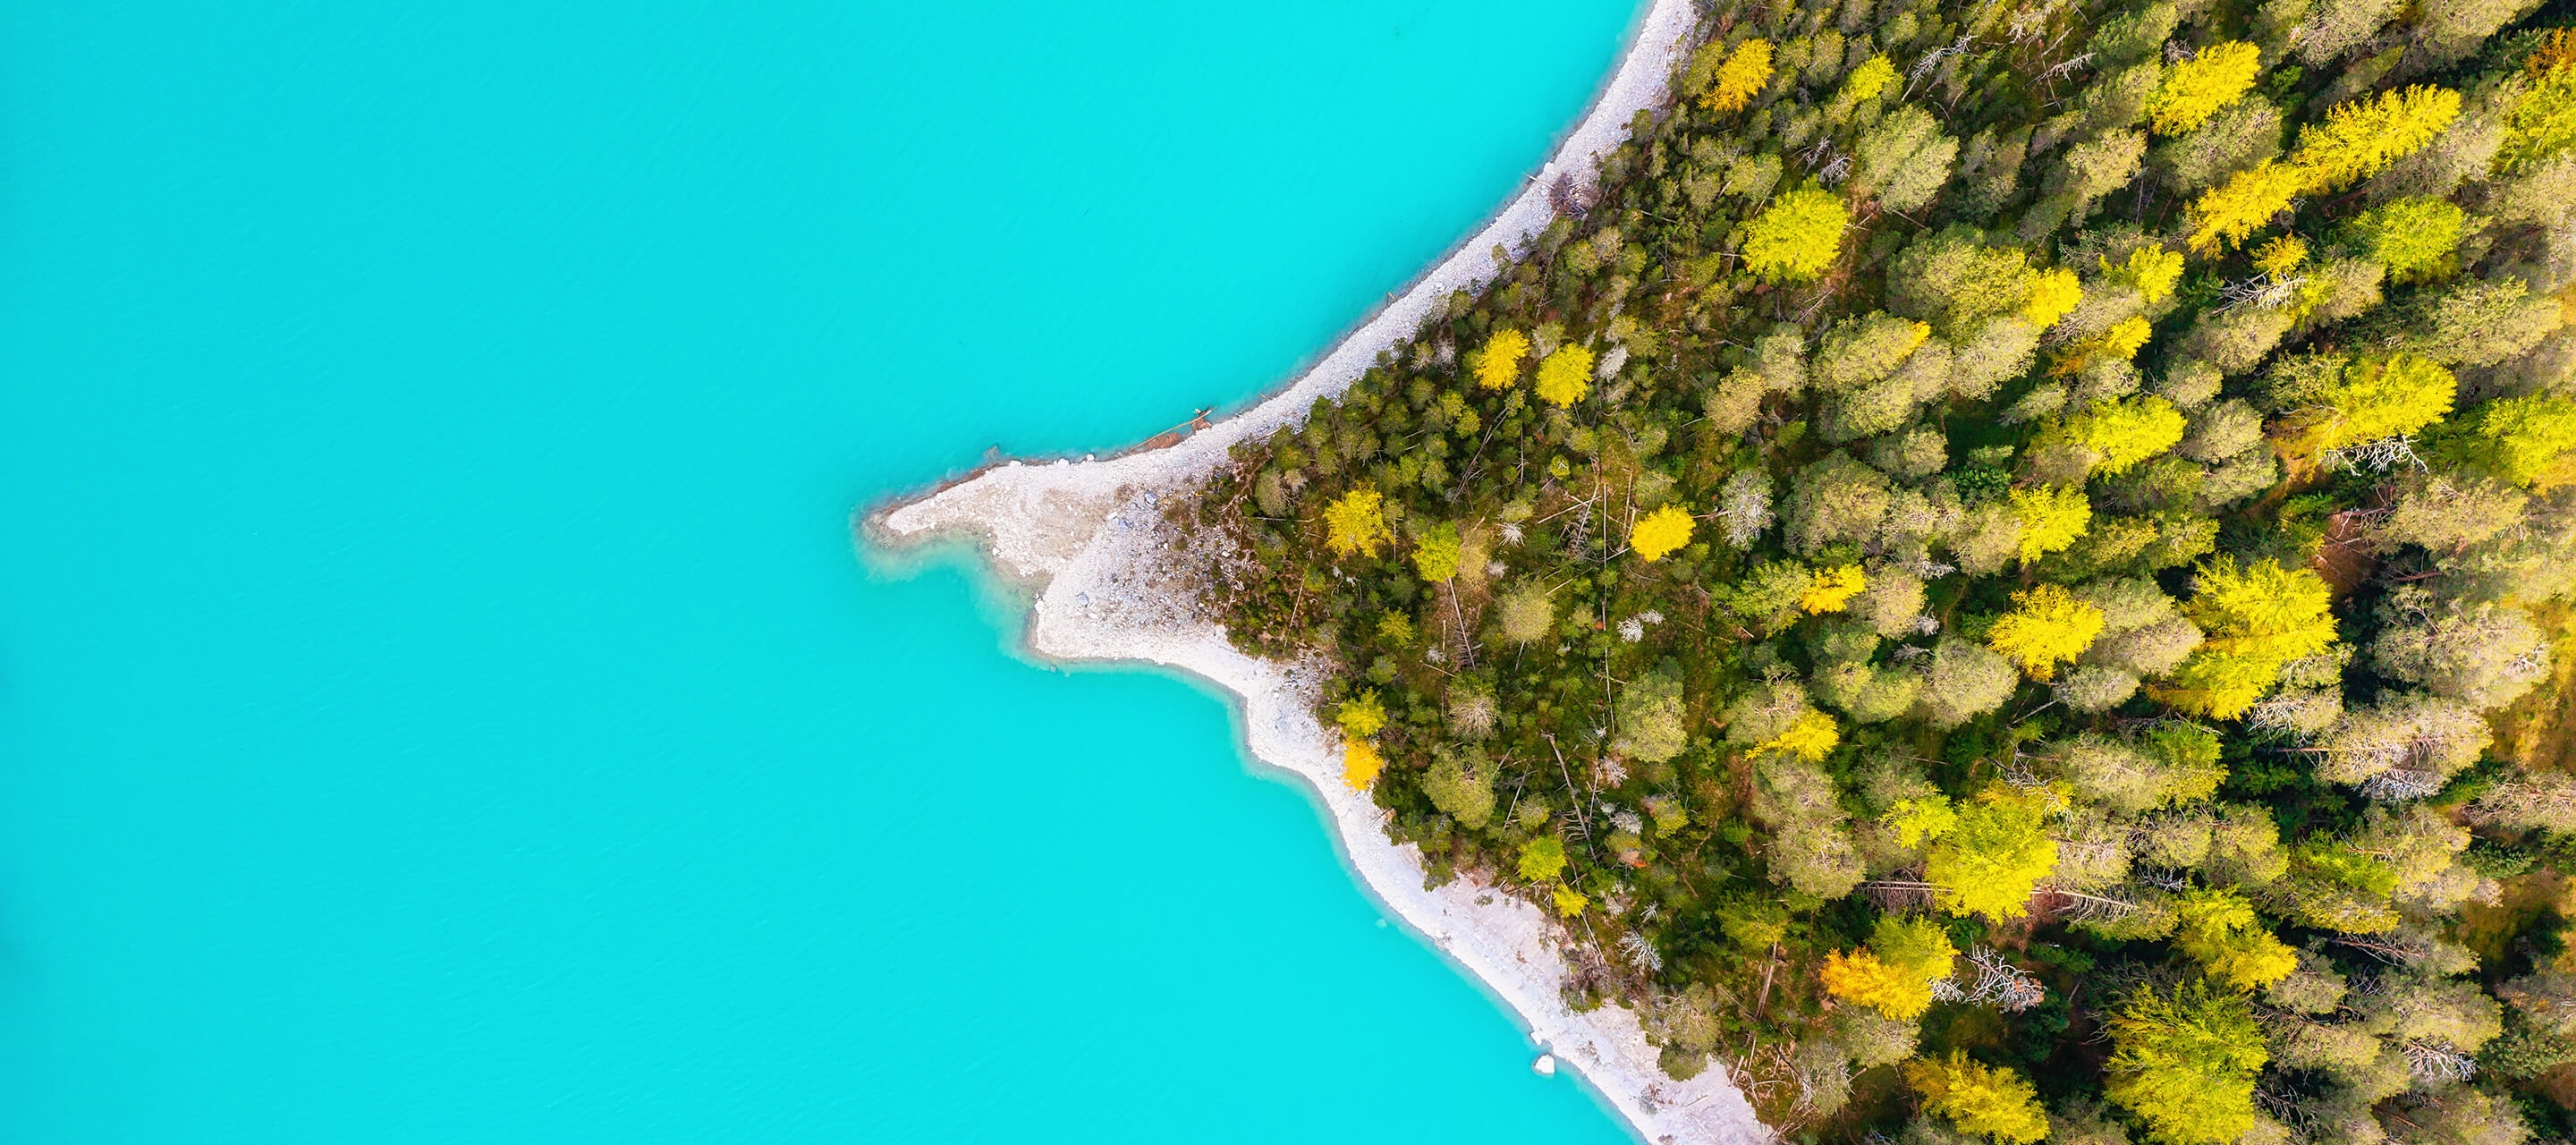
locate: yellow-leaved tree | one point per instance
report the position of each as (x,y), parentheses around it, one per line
(1361,763)
(2152,271)
(1661,533)
(2197,88)
(2258,617)
(2415,238)
(2523,439)
(1870,78)
(1895,972)
(1810,737)
(1985,1100)
(1361,716)
(1356,523)
(1797,236)
(2262,609)
(1542,859)
(2369,399)
(1993,854)
(1919,820)
(1435,552)
(2360,138)
(2185,1063)
(2053,294)
(2219,930)
(1547,854)
(2543,121)
(1861,977)
(1498,364)
(1569,901)
(2212,684)
(2123,433)
(1832,589)
(1745,73)
(2051,517)
(2223,215)
(1566,375)
(2282,256)
(2119,343)
(2048,626)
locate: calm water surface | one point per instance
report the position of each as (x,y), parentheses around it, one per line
(438,700)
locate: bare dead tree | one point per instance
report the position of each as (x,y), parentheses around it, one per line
(1567,199)
(2376,456)
(2001,984)
(1903,894)
(1635,946)
(2400,951)
(2263,290)
(2438,1061)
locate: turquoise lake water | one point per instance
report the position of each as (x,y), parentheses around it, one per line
(439,701)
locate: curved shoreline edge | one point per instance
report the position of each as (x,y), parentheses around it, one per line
(1085,539)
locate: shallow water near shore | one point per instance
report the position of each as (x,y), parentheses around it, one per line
(438,698)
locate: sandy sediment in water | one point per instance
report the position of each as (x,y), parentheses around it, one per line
(1110,582)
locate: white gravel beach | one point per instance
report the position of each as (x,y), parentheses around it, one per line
(1089,536)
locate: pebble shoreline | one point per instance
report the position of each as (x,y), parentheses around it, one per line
(1087,538)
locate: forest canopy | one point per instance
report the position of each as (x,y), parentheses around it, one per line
(2000,575)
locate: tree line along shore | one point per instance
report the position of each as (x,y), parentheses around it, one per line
(2002,571)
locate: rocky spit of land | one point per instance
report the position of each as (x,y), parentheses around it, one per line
(1112,581)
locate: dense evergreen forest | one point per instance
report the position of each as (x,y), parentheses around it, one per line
(2006,571)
